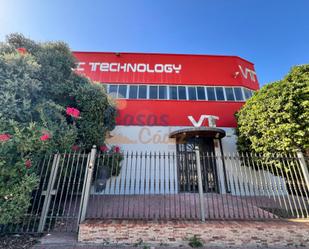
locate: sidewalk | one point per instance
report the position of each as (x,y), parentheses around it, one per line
(69,241)
(222,233)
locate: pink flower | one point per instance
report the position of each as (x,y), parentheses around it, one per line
(103,148)
(73,112)
(4,137)
(75,147)
(22,50)
(45,137)
(117,149)
(28,163)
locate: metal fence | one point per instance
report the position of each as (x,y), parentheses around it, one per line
(194,186)
(164,186)
(56,202)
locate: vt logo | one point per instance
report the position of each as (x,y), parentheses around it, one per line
(211,120)
(247,71)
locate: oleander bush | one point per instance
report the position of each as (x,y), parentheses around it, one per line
(45,106)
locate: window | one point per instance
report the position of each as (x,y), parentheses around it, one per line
(192,93)
(182,94)
(122,91)
(133,92)
(113,90)
(238,93)
(173,92)
(229,93)
(162,92)
(153,92)
(142,92)
(220,93)
(201,93)
(211,93)
(247,93)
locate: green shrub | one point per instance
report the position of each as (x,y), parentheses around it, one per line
(15,199)
(276,118)
(44,107)
(195,242)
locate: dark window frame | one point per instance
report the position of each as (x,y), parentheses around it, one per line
(136,87)
(150,93)
(190,88)
(173,90)
(165,92)
(227,94)
(182,91)
(139,91)
(218,89)
(212,92)
(197,93)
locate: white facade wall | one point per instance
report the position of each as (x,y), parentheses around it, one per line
(158,176)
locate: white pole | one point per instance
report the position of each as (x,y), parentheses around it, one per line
(200,185)
(87,185)
(303,167)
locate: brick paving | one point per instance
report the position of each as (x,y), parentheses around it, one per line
(69,241)
(143,247)
(180,206)
(274,234)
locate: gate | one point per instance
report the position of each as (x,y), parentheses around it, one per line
(57,202)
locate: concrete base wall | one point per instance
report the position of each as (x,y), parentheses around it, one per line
(213,233)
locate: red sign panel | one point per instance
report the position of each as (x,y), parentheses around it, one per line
(169,69)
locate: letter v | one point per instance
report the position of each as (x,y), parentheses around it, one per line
(199,123)
(245,74)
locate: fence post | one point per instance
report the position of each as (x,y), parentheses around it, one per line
(200,185)
(303,167)
(48,193)
(87,185)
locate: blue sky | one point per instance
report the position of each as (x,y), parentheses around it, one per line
(273,34)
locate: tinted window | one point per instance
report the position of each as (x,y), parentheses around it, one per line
(201,93)
(162,92)
(113,90)
(219,93)
(211,93)
(247,93)
(182,94)
(192,93)
(122,91)
(153,92)
(238,93)
(173,92)
(142,92)
(133,92)
(229,93)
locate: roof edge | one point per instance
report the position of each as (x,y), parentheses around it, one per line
(157,53)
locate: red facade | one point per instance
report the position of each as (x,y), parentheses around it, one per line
(170,69)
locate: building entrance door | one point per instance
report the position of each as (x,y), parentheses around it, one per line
(186,158)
